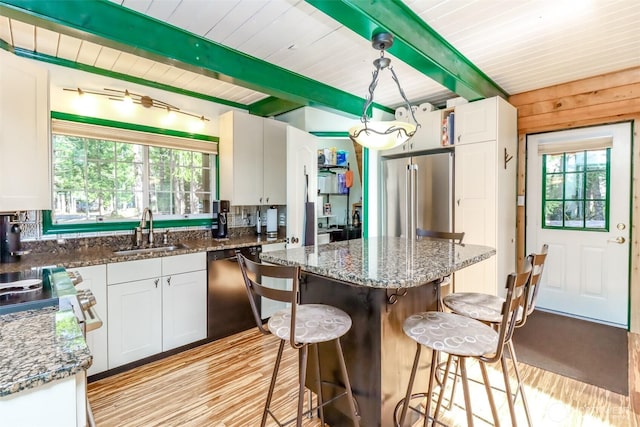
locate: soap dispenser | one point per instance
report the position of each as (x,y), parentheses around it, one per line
(258,223)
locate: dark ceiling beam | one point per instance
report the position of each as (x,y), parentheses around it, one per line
(415,43)
(111,25)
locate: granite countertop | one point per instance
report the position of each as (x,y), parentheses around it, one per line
(93,255)
(382,262)
(40,346)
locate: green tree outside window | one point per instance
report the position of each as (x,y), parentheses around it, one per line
(576,190)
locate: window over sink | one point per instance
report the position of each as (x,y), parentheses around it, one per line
(105,173)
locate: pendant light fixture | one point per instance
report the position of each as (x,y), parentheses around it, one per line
(382,135)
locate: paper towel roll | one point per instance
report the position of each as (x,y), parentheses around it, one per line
(272,221)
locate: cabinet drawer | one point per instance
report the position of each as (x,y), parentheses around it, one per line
(184,263)
(129,271)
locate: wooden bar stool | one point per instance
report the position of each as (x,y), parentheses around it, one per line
(461,337)
(487,308)
(303,326)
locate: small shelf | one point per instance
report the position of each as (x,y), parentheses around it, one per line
(326,216)
(332,194)
(330,168)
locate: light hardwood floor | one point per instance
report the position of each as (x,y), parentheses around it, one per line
(224,383)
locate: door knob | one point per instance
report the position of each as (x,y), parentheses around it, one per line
(620,240)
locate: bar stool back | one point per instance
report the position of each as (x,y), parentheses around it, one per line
(486,308)
(303,326)
(442,235)
(462,337)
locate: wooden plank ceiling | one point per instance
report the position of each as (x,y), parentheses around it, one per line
(521,46)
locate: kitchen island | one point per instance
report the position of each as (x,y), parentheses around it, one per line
(43,360)
(379,282)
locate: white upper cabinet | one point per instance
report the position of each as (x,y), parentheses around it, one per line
(477,121)
(253,157)
(25,142)
(427,137)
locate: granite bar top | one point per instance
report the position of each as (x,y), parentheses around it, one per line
(382,262)
(93,255)
(40,346)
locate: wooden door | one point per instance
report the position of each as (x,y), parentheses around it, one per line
(578,196)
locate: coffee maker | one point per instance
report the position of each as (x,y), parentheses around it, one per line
(10,246)
(220,209)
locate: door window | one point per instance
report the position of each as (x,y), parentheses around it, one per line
(575,192)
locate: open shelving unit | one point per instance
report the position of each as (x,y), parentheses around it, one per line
(324,170)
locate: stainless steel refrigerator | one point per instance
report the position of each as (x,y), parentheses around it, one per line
(416,192)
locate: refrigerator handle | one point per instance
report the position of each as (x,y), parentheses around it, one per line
(412,194)
(408,201)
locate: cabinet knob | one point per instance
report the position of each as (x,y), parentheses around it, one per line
(260,200)
(155,282)
(267,200)
(169,281)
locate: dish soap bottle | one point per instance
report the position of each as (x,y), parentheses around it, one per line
(258,223)
(355,220)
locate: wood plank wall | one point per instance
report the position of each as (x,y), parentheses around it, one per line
(608,98)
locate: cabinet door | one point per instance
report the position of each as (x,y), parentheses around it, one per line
(135,321)
(95,279)
(476,121)
(241,158)
(129,271)
(475,212)
(429,134)
(184,309)
(25,172)
(184,263)
(275,163)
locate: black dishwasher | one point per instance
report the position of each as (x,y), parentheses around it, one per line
(228,308)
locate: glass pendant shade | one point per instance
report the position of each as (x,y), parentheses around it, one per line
(382,135)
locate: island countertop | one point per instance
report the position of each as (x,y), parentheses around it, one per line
(382,262)
(40,346)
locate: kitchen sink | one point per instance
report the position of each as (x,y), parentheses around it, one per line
(150,249)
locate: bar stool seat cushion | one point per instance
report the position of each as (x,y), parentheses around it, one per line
(482,307)
(314,323)
(451,333)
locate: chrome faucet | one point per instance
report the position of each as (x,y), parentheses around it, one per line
(143,223)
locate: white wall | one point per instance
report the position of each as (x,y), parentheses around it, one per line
(101,107)
(320,120)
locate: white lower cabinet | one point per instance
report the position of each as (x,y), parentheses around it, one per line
(95,279)
(161,306)
(59,403)
(184,309)
(135,327)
